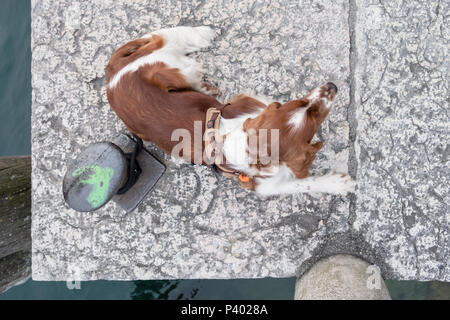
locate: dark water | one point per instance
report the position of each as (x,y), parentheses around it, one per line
(15,77)
(15,114)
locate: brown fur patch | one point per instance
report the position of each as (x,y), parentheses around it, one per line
(165,78)
(131,51)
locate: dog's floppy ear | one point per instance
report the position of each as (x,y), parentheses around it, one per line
(300,166)
(311,151)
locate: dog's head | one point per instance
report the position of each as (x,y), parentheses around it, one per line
(296,122)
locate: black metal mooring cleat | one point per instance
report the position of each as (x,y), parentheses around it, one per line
(123,171)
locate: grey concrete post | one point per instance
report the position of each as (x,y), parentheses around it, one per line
(341,277)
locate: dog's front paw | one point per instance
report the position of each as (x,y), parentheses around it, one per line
(206,32)
(340,183)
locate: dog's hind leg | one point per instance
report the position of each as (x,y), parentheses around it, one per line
(166,78)
(178,42)
(172,73)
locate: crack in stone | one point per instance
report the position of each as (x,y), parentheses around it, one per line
(351,113)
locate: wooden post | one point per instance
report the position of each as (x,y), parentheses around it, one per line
(15,220)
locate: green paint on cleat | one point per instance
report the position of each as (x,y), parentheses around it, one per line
(99,179)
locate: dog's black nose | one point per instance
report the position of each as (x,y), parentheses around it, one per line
(332,86)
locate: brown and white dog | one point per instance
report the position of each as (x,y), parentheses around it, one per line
(156,89)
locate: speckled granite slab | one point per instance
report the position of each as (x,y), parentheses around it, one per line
(402,97)
(197,224)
